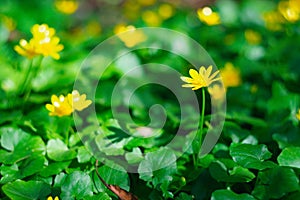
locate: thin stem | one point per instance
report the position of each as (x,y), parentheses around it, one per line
(34,71)
(202,116)
(200,131)
(26,78)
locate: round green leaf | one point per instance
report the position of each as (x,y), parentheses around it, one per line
(229,195)
(290,157)
(58,151)
(76,185)
(251,156)
(31,190)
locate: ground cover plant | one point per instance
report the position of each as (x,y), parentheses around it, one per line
(157,99)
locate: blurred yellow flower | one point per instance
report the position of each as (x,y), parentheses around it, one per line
(59,107)
(66,6)
(165,11)
(51,198)
(78,102)
(64,106)
(146,2)
(253,88)
(93,28)
(289,10)
(209,17)
(129,35)
(151,18)
(44,42)
(200,79)
(8,23)
(230,75)
(295,4)
(298,115)
(217,92)
(26,49)
(252,37)
(273,20)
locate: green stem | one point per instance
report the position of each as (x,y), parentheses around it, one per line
(34,72)
(26,78)
(200,130)
(202,116)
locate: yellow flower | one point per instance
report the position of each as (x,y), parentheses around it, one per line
(151,18)
(209,17)
(217,92)
(289,10)
(252,37)
(41,32)
(66,6)
(49,47)
(77,101)
(230,75)
(59,107)
(165,11)
(146,3)
(64,106)
(51,198)
(200,79)
(44,42)
(273,20)
(26,49)
(130,36)
(8,23)
(298,115)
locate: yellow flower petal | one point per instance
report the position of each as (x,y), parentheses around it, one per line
(194,74)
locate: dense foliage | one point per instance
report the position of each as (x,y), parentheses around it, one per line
(45,152)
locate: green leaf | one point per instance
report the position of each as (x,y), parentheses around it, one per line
(31,190)
(29,147)
(108,147)
(227,171)
(83,155)
(54,168)
(76,185)
(229,195)
(280,98)
(251,156)
(27,168)
(9,173)
(206,160)
(135,156)
(11,137)
(290,157)
(183,196)
(100,196)
(275,183)
(114,175)
(158,165)
(58,151)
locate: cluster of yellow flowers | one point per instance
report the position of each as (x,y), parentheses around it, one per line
(44,42)
(155,18)
(209,17)
(65,105)
(287,11)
